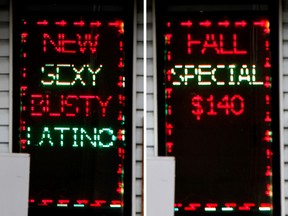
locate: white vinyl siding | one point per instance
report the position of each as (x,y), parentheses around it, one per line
(139,111)
(151,94)
(285,99)
(4,76)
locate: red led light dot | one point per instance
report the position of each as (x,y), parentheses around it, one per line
(225,23)
(119,25)
(268,171)
(61,23)
(206,23)
(44,22)
(169,146)
(233,205)
(79,23)
(187,24)
(267,63)
(121,63)
(168,92)
(241,23)
(269,154)
(96,23)
(169,128)
(192,207)
(267,82)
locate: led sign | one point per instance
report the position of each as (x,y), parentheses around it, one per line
(74,102)
(218,110)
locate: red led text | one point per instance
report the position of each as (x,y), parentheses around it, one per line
(71,44)
(66,105)
(215,42)
(230,105)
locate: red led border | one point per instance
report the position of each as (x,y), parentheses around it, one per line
(24,86)
(210,42)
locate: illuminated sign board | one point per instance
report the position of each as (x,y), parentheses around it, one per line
(217,79)
(75,111)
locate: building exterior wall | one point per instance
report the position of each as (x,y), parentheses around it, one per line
(284,83)
(138,144)
(4,75)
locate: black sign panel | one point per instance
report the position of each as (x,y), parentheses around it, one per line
(216,72)
(75,79)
